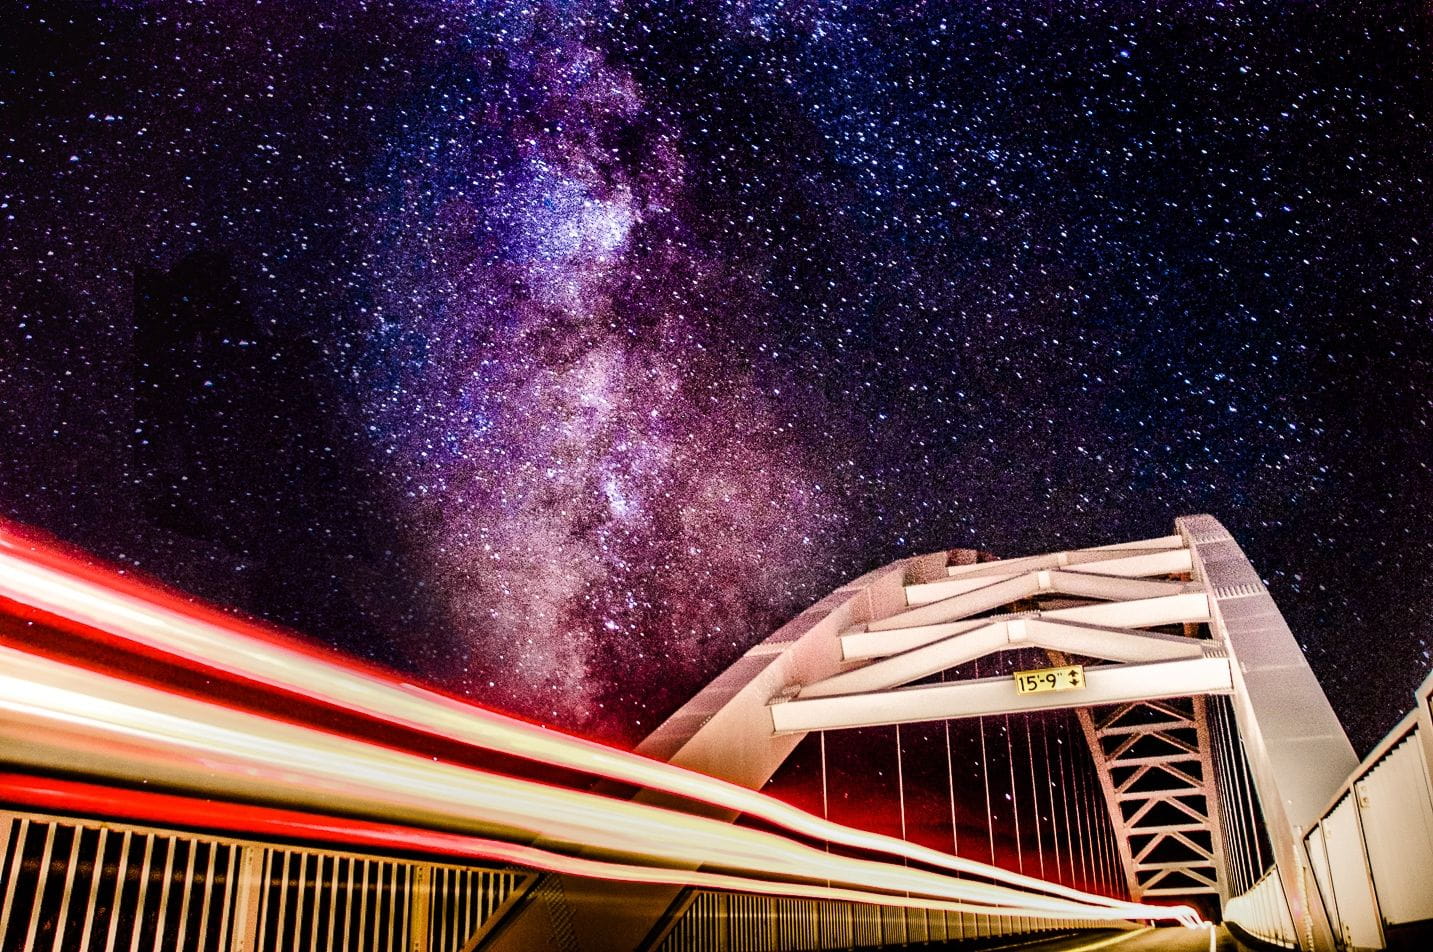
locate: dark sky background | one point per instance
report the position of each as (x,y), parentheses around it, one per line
(557,351)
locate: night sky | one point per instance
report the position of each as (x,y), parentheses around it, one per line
(555,352)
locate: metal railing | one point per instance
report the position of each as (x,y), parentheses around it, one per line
(86,885)
(1370,850)
(83,885)
(733,922)
(1263,912)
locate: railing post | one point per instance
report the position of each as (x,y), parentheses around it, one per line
(244,936)
(419,900)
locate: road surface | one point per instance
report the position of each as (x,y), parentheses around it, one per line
(1164,939)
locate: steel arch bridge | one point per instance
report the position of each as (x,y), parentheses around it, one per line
(1187,730)
(175,778)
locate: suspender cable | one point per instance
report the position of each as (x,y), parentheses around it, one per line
(1236,770)
(1103,828)
(1091,846)
(950,784)
(825,803)
(1112,851)
(900,782)
(1253,849)
(1050,793)
(1079,821)
(1097,833)
(985,777)
(1014,796)
(1235,794)
(1065,805)
(1107,832)
(1112,848)
(1234,851)
(1228,807)
(1250,802)
(1099,823)
(1034,795)
(901,797)
(1246,871)
(1247,799)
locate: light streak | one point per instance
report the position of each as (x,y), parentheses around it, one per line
(154,621)
(53,716)
(45,793)
(1112,940)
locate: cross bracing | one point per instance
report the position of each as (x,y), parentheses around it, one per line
(1104,605)
(1164,627)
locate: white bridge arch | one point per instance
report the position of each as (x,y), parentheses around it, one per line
(850,659)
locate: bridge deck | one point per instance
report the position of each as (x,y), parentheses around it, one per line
(1164,939)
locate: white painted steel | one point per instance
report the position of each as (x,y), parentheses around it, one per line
(1003,592)
(857,644)
(1189,607)
(1134,728)
(924,593)
(1112,588)
(1110,644)
(1323,879)
(983,599)
(1070,557)
(1111,684)
(1348,875)
(1297,751)
(1166,562)
(1371,850)
(1263,912)
(1396,810)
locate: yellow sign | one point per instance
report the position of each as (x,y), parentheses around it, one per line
(1069,678)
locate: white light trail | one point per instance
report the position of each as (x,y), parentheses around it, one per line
(147,619)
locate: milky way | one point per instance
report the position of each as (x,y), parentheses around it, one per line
(555,352)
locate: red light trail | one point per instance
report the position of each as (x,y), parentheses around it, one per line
(59,717)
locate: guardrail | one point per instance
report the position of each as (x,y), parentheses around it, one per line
(82,884)
(731,922)
(1263,912)
(1371,851)
(71,883)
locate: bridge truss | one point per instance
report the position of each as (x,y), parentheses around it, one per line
(1212,740)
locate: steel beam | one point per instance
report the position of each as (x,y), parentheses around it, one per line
(940,610)
(1052,560)
(1109,644)
(1298,753)
(1105,684)
(1163,562)
(1188,607)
